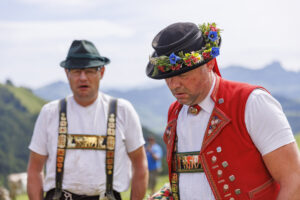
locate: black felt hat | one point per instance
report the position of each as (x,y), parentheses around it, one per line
(182,47)
(83,54)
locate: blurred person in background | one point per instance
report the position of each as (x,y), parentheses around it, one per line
(154,155)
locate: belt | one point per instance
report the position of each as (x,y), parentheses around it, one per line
(66,195)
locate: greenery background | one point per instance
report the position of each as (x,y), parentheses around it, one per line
(19,109)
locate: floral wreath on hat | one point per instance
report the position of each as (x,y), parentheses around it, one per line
(175,62)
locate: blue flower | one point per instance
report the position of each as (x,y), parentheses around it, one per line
(213,35)
(214,52)
(173,58)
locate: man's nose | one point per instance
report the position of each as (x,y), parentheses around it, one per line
(172,82)
(82,75)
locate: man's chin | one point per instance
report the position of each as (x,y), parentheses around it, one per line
(83,94)
(183,101)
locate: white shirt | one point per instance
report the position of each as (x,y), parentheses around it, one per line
(265,122)
(84,170)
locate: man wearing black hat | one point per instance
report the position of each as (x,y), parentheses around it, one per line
(225,140)
(89,140)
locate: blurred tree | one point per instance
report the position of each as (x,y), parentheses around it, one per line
(9,82)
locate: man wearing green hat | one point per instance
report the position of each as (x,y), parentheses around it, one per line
(90,143)
(225,140)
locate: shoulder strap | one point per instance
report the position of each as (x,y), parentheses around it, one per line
(61,148)
(62,141)
(110,147)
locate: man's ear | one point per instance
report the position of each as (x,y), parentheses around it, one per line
(67,73)
(211,64)
(102,70)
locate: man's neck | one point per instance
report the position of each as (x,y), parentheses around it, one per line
(85,102)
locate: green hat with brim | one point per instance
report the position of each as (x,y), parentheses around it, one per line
(83,54)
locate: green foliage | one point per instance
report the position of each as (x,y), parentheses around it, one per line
(298,139)
(22,197)
(16,126)
(9,82)
(31,102)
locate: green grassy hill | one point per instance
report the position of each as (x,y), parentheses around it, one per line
(19,108)
(31,102)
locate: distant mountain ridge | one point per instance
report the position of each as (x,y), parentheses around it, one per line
(273,77)
(152,103)
(56,90)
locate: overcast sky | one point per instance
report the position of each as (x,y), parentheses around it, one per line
(35,35)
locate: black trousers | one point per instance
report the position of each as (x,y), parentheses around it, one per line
(71,196)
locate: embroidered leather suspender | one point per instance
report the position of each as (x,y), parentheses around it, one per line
(174,174)
(179,162)
(187,162)
(110,147)
(61,148)
(63,144)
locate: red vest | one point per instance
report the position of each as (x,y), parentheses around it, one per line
(232,164)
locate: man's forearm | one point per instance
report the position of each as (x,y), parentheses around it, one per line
(139,184)
(289,195)
(35,186)
(290,190)
(139,173)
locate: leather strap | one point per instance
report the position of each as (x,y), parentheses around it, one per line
(61,148)
(66,195)
(110,147)
(174,174)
